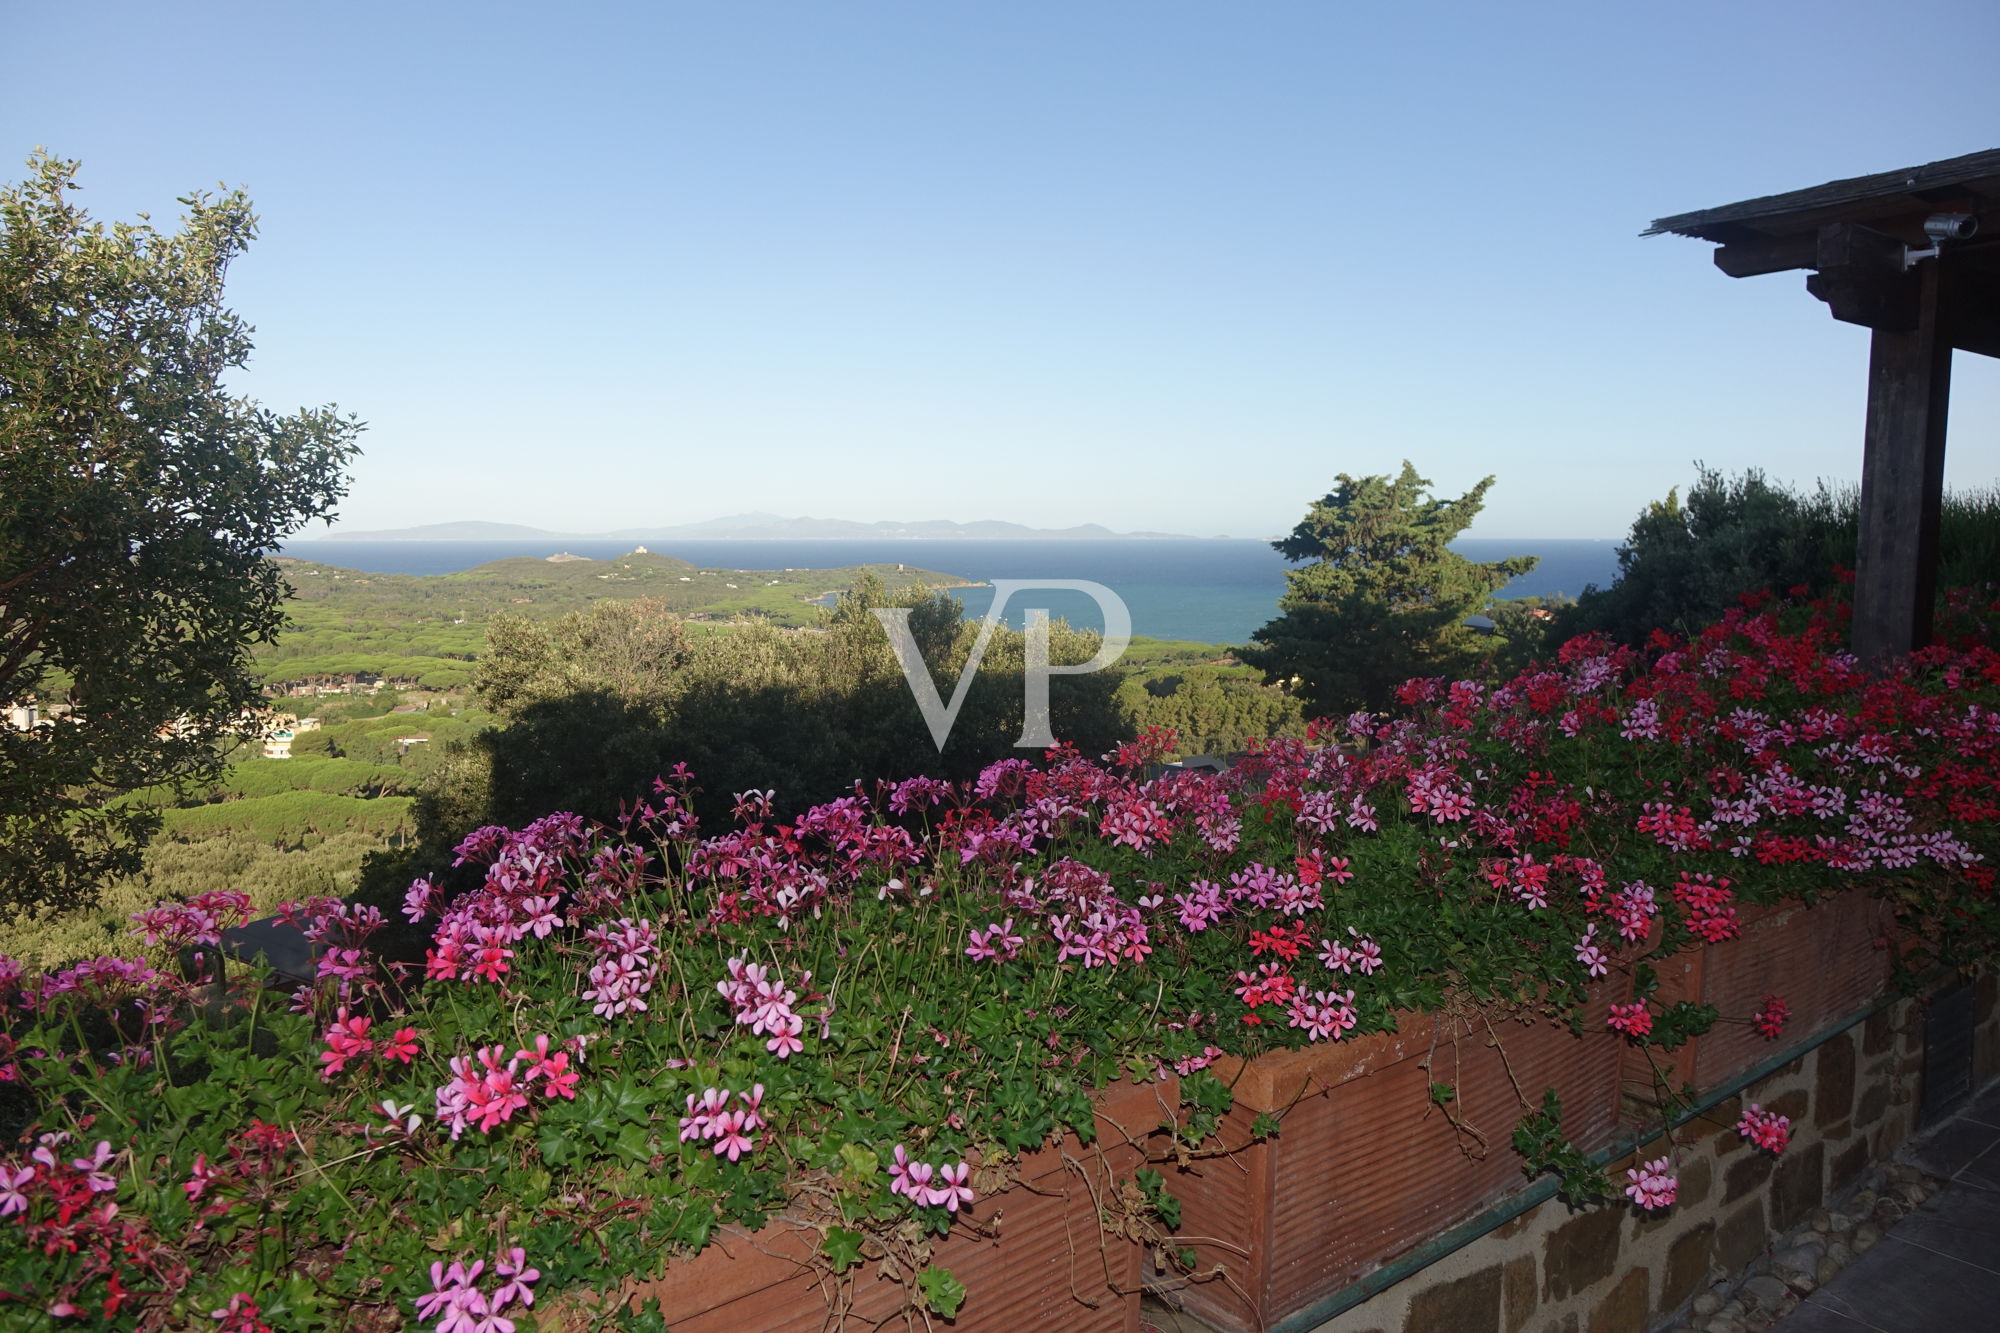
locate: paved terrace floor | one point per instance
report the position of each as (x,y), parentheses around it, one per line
(1937,1270)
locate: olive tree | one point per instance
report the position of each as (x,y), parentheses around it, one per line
(138,499)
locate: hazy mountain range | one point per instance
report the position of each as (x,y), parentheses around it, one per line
(742,526)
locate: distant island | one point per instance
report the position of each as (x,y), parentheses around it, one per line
(773,527)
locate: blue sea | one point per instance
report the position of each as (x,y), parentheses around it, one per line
(1210,591)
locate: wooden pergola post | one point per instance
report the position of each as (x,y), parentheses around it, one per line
(1914,257)
(1902,480)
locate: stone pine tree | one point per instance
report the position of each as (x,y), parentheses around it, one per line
(137,501)
(1380,596)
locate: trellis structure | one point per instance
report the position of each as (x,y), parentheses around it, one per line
(1914,256)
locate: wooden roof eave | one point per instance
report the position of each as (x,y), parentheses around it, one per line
(1856,199)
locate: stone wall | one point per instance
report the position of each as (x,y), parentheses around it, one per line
(1852,1100)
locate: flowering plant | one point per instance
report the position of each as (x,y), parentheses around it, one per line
(620,1037)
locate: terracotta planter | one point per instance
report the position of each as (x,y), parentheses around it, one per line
(1049,1269)
(1365,1167)
(1826,962)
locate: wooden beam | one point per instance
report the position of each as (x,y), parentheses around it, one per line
(1861,277)
(1750,259)
(1902,480)
(1972,311)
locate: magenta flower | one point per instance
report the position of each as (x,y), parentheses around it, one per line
(421,900)
(1653,1184)
(1195,1063)
(899,1172)
(627,965)
(46,1145)
(12,1179)
(952,1191)
(1322,1014)
(239,1316)
(347,1039)
(401,1047)
(1632,908)
(519,1285)
(996,940)
(1765,1129)
(752,1103)
(1367,953)
(93,1166)
(784,1041)
(558,1079)
(917,1180)
(732,1137)
(449,1288)
(458,1304)
(1201,906)
(1634,1020)
(1588,954)
(1336,956)
(541,917)
(488,1096)
(200,1178)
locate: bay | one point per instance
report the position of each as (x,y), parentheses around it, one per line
(1211,591)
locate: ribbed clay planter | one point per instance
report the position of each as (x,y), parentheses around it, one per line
(1050,1267)
(1826,962)
(1365,1167)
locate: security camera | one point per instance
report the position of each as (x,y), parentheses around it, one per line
(1941,227)
(1951,227)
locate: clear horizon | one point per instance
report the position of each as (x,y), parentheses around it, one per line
(1167,266)
(348,532)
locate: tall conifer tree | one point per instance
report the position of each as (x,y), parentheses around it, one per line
(1381,597)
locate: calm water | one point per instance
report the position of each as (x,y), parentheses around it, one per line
(1209,591)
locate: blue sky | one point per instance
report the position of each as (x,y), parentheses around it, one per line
(1156,265)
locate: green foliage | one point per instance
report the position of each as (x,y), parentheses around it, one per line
(1685,562)
(1205,1099)
(1676,1023)
(346,611)
(344,777)
(289,817)
(1211,709)
(1383,597)
(269,871)
(1153,1188)
(138,500)
(842,1248)
(597,704)
(1539,1139)
(647,1319)
(436,673)
(943,1293)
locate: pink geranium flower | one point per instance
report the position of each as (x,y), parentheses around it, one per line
(1653,1184)
(12,1180)
(1634,1020)
(402,1047)
(732,1138)
(1765,1129)
(952,1191)
(1590,955)
(346,1040)
(200,1178)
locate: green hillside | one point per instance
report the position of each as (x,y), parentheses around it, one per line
(425,630)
